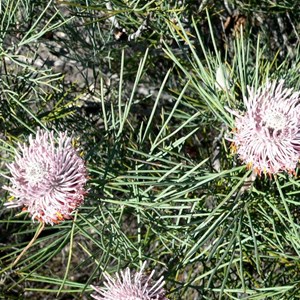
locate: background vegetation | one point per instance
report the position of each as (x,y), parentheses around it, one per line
(135,81)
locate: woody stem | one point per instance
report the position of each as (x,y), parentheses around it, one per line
(37,233)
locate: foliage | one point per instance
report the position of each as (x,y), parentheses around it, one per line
(135,81)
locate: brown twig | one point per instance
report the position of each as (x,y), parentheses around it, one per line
(38,232)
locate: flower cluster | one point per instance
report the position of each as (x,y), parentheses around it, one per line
(47,177)
(131,286)
(267,135)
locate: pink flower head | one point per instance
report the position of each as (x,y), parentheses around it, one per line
(267,135)
(128,286)
(47,177)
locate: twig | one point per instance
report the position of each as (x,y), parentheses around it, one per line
(248,183)
(113,19)
(139,31)
(227,7)
(284,36)
(117,26)
(38,232)
(216,151)
(203,3)
(283,33)
(294,28)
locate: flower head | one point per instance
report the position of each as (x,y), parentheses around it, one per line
(47,177)
(267,135)
(131,286)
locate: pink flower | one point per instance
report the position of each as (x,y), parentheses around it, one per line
(128,286)
(267,135)
(47,177)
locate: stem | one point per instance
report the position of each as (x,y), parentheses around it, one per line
(37,233)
